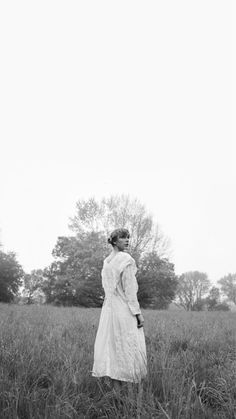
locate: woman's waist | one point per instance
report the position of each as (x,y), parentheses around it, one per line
(115,296)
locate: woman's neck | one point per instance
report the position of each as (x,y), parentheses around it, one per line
(116,250)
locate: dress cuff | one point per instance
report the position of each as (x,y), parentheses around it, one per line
(134,308)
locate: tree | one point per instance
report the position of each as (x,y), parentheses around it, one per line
(49,286)
(228,286)
(157,282)
(214,294)
(212,299)
(120,211)
(211,302)
(191,289)
(222,306)
(11,274)
(33,286)
(75,276)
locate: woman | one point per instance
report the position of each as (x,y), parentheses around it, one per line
(120,350)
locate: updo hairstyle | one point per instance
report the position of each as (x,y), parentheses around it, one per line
(119,233)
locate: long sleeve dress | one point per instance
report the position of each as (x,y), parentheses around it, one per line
(120,350)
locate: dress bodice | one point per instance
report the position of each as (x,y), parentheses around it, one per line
(113,269)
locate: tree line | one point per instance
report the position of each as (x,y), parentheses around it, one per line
(74,277)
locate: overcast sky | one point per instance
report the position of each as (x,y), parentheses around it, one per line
(104,97)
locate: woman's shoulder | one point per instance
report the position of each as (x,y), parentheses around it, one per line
(121,259)
(125,256)
(126,259)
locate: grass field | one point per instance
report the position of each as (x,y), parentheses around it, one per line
(46,356)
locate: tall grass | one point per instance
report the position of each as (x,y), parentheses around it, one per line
(46,356)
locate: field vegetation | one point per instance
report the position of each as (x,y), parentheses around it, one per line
(46,356)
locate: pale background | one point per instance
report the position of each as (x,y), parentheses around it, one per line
(104,97)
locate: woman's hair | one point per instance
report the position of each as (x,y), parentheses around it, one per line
(119,233)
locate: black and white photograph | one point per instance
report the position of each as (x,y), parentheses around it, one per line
(118,209)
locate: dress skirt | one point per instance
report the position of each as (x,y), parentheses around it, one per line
(120,349)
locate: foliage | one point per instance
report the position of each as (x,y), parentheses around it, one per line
(33,286)
(11,274)
(47,356)
(120,211)
(228,286)
(157,281)
(212,301)
(199,305)
(221,306)
(192,287)
(75,276)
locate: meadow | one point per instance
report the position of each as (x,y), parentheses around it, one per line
(46,356)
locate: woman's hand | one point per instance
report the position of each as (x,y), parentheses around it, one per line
(140,320)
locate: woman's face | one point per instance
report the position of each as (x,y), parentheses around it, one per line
(122,243)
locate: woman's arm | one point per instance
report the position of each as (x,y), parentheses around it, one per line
(130,287)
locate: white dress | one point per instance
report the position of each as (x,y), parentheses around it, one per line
(120,349)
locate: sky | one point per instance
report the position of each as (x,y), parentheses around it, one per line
(102,98)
